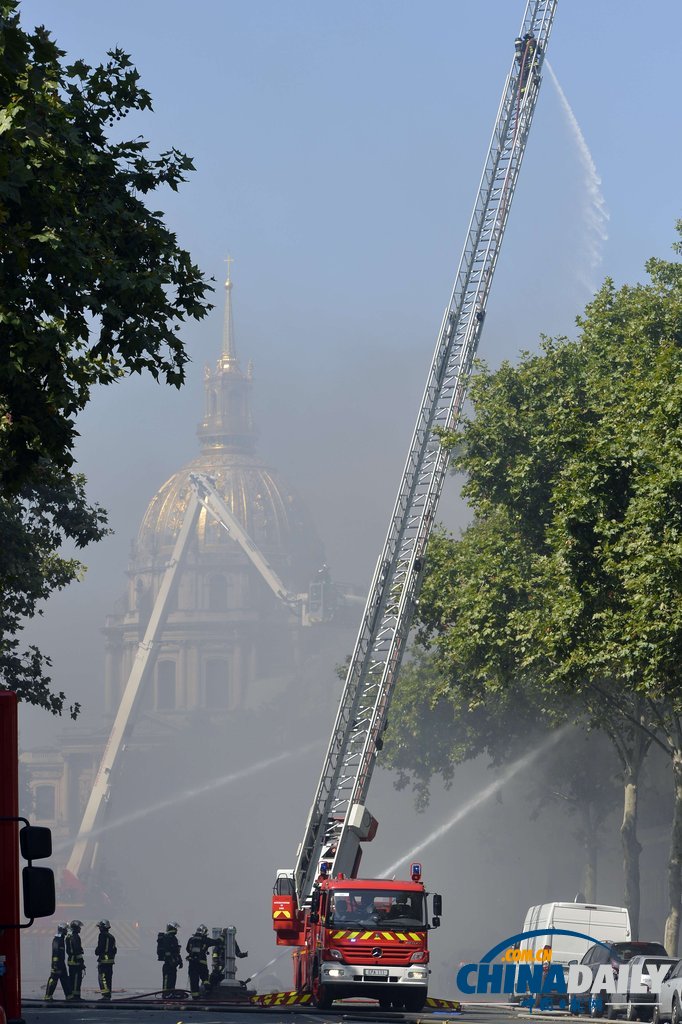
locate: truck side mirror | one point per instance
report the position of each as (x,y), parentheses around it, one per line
(35,842)
(437,904)
(39,893)
(315,906)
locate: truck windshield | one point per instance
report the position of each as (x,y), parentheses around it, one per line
(369,908)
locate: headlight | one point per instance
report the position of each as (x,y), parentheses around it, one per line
(336,972)
(419,957)
(332,954)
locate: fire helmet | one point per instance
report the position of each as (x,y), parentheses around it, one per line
(104,924)
(76,925)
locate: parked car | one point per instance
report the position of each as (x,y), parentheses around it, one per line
(670,998)
(639,1005)
(616,954)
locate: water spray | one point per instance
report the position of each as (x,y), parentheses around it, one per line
(480,798)
(595,214)
(189,794)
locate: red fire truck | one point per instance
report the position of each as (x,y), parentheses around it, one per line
(359,937)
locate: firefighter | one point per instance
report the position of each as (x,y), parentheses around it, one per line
(168,952)
(197,961)
(105,951)
(525,57)
(218,958)
(58,970)
(74,958)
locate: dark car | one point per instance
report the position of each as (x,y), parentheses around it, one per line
(638,1005)
(616,954)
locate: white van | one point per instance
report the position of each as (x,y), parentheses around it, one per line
(593,919)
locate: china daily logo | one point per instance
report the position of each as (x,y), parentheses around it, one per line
(506,968)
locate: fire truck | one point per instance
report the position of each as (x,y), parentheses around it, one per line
(368,937)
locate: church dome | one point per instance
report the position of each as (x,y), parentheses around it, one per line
(264,506)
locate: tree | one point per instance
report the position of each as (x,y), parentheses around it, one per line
(570,575)
(93,287)
(581,775)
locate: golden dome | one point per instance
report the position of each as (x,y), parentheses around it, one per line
(266,509)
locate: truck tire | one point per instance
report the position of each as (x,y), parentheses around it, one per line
(321,999)
(414,1001)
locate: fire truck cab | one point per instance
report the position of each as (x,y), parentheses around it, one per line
(365,938)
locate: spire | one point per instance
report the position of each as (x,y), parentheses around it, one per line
(227,423)
(228,358)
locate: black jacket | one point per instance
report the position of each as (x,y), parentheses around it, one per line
(58,951)
(105,950)
(74,948)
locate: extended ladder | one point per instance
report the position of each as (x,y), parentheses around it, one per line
(338,819)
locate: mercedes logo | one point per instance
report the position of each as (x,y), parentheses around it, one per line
(376,952)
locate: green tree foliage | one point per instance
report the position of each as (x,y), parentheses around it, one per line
(569,579)
(93,287)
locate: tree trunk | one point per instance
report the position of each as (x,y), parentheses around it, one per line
(631,847)
(590,842)
(672,925)
(591,850)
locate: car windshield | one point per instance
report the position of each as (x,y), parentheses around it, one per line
(369,908)
(626,950)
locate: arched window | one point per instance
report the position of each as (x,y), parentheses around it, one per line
(45,803)
(165,685)
(217,593)
(217,683)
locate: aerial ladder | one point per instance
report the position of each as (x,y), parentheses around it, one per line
(309,608)
(339,820)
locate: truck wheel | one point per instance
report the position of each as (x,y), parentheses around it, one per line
(414,1001)
(321,999)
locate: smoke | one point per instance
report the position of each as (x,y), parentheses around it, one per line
(595,215)
(479,798)
(191,793)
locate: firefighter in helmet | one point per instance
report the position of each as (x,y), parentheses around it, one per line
(58,972)
(197,948)
(168,952)
(74,958)
(105,951)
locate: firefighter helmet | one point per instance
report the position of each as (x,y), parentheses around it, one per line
(76,924)
(104,924)
(62,927)
(202,930)
(172,926)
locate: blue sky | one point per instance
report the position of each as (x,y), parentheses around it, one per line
(338,148)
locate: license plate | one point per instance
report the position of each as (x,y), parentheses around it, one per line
(375,972)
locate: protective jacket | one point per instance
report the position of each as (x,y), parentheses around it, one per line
(74,949)
(105,950)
